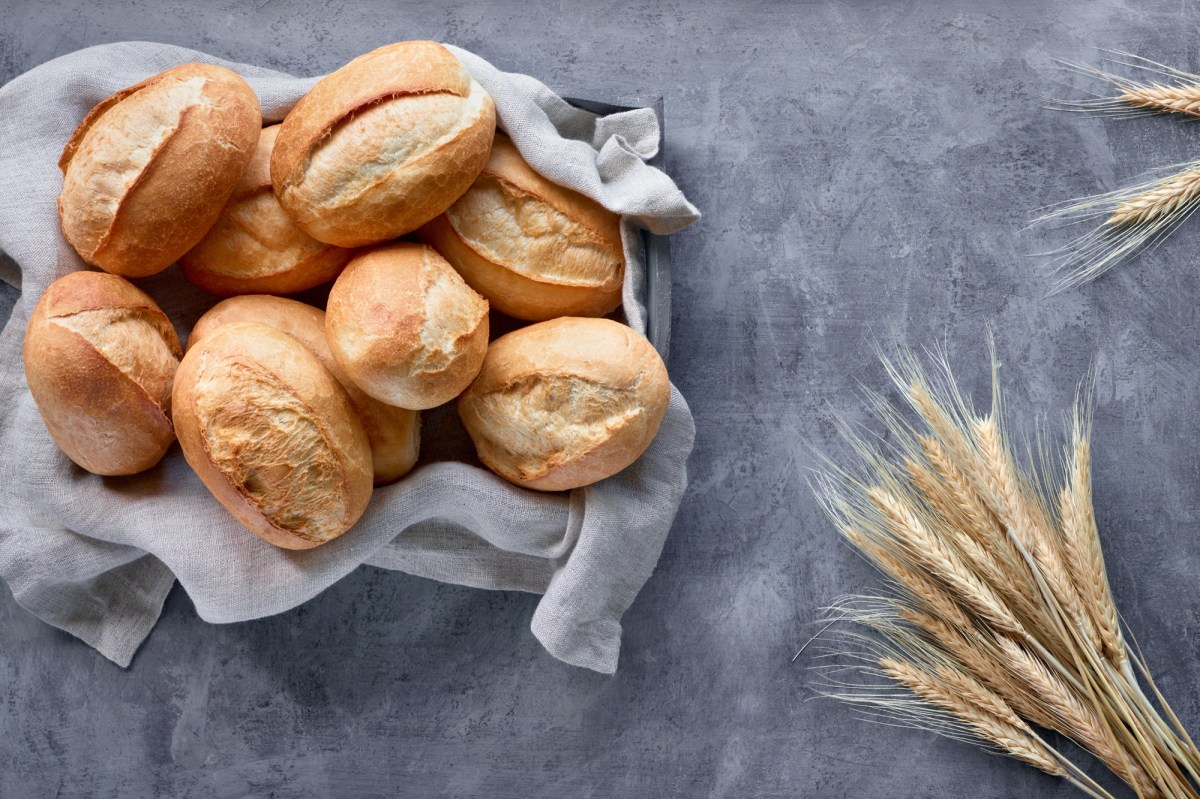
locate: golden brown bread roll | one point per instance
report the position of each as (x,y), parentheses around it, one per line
(535,249)
(382,145)
(100,358)
(394,433)
(273,435)
(405,327)
(564,403)
(148,170)
(255,247)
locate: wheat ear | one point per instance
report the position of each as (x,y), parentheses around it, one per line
(946,565)
(954,528)
(1024,683)
(972,706)
(1026,523)
(1124,222)
(1085,558)
(914,583)
(1159,99)
(987,717)
(1055,705)
(1002,608)
(1127,220)
(977,521)
(1165,91)
(1162,201)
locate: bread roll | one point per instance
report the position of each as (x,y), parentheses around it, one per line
(536,250)
(405,327)
(100,357)
(148,170)
(564,403)
(382,145)
(272,435)
(255,247)
(394,433)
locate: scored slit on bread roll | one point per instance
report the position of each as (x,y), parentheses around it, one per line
(394,433)
(405,327)
(382,145)
(535,249)
(565,403)
(146,173)
(255,247)
(273,435)
(100,359)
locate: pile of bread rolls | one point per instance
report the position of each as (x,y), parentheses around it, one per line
(291,414)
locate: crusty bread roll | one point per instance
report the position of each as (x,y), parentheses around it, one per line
(273,435)
(564,403)
(536,250)
(382,145)
(100,357)
(148,170)
(255,247)
(394,433)
(405,327)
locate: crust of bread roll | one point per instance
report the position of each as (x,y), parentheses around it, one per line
(381,146)
(255,247)
(405,327)
(100,359)
(273,435)
(146,173)
(565,403)
(535,249)
(394,433)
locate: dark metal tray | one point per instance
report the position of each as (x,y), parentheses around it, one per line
(657,249)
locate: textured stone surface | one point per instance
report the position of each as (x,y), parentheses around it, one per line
(865,169)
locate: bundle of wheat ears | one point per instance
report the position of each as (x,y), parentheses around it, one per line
(998,620)
(1136,217)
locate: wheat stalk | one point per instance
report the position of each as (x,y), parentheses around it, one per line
(1002,617)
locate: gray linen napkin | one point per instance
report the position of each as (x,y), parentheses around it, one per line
(96,556)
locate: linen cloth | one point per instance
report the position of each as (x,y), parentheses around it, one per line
(97,556)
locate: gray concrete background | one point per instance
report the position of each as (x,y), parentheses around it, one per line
(865,169)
